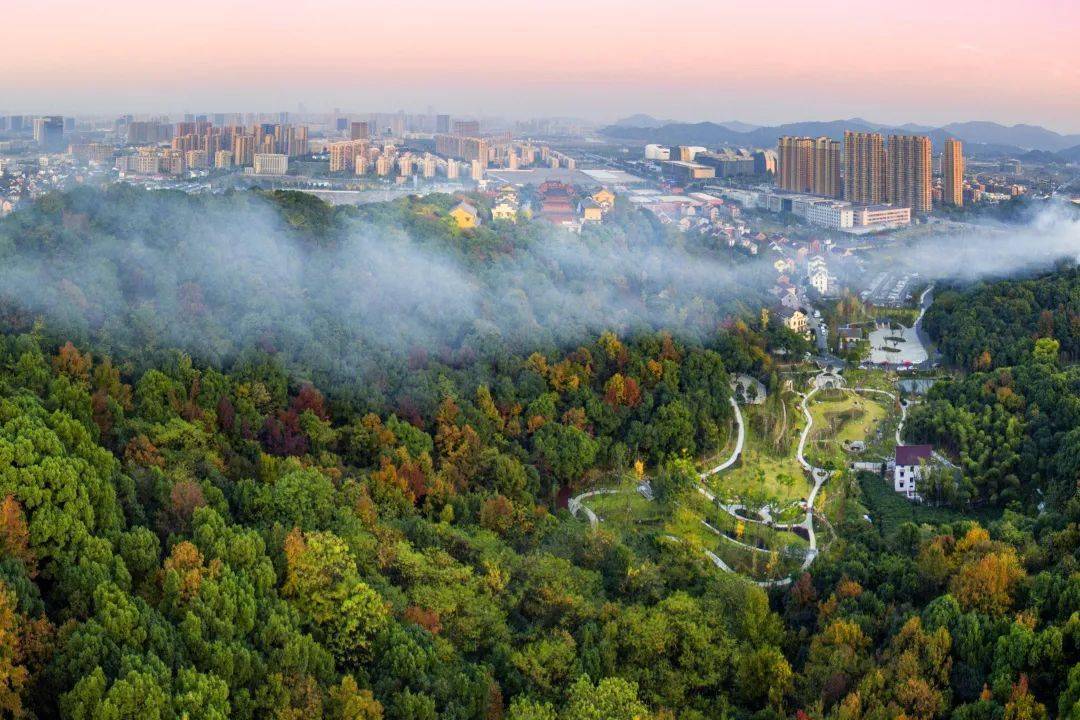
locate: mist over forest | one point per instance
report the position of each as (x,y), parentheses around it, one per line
(345,292)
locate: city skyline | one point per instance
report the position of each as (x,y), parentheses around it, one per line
(931,65)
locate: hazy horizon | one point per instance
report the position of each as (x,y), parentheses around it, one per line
(930,64)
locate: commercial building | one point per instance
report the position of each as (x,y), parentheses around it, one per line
(764,162)
(834,214)
(728,163)
(271,163)
(908,181)
(682,171)
(952,173)
(882,215)
(687,153)
(657,152)
(864,168)
(49,133)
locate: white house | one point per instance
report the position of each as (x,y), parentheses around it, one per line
(908,468)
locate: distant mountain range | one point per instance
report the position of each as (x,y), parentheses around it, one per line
(641,120)
(983,138)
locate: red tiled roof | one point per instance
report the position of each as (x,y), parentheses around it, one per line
(912,454)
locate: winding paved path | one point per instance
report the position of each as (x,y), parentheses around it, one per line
(818,475)
(740,440)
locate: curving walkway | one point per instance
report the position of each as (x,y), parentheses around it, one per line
(740,440)
(574,504)
(819,476)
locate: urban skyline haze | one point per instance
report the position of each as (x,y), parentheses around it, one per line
(928,62)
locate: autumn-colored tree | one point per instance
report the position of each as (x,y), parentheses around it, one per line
(308,398)
(986,584)
(183,571)
(142,453)
(1022,704)
(185,497)
(15,535)
(71,362)
(497,514)
(13,674)
(427,619)
(348,702)
(226,414)
(458,445)
(620,391)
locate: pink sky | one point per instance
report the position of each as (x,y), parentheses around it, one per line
(764,61)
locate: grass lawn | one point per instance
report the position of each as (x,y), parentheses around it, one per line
(879,379)
(625,512)
(761,476)
(842,416)
(757,565)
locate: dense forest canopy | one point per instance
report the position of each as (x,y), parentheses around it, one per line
(198,530)
(1011,415)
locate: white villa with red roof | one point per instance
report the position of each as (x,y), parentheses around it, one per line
(908,468)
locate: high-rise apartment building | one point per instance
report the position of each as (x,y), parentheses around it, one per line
(467,128)
(864,168)
(144,132)
(243,150)
(826,167)
(196,159)
(807,165)
(343,154)
(910,164)
(360,130)
(794,171)
(952,173)
(442,124)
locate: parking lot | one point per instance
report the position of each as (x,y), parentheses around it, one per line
(890,289)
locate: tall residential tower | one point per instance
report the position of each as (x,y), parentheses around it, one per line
(910,169)
(809,165)
(952,173)
(864,168)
